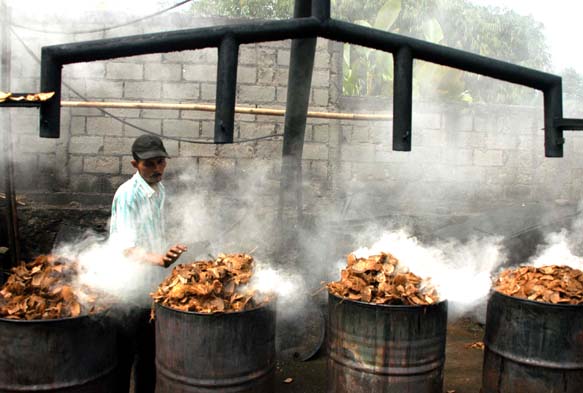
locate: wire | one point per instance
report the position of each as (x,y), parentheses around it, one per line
(123,121)
(102,29)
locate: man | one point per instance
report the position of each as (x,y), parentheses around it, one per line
(137,226)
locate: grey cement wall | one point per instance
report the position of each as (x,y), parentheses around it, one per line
(464,158)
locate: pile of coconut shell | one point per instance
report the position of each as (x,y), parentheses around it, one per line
(211,286)
(549,284)
(382,279)
(45,289)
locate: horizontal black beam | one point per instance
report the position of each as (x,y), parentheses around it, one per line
(438,54)
(20,104)
(179,40)
(569,124)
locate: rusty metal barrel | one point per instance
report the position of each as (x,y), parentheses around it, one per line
(384,348)
(221,352)
(532,346)
(69,355)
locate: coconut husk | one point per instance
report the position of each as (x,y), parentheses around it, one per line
(46,289)
(28,97)
(382,279)
(550,284)
(211,286)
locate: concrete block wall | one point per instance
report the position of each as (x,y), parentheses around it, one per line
(462,158)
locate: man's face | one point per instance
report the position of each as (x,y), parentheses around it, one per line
(151,169)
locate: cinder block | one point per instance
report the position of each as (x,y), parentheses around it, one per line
(197,150)
(117,146)
(265,76)
(281,94)
(103,126)
(22,124)
(488,157)
(143,90)
(385,153)
(283,56)
(236,150)
(269,149)
(248,54)
(207,129)
(358,153)
(249,130)
(320,97)
(160,113)
(208,92)
(163,72)
(104,89)
(456,157)
(153,125)
(321,78)
(457,121)
(321,133)
(322,60)
(126,165)
(75,164)
(266,56)
(86,144)
(430,121)
(94,69)
(186,57)
(315,151)
(34,144)
(256,94)
(246,75)
(102,164)
(124,71)
(181,91)
(180,128)
(151,58)
(200,73)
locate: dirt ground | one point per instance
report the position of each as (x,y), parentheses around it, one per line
(463,365)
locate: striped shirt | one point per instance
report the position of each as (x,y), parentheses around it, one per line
(137,216)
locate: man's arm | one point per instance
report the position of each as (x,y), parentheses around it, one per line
(163,260)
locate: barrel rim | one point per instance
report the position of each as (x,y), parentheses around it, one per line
(100,314)
(388,306)
(495,292)
(267,305)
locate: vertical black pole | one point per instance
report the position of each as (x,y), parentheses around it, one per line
(298,97)
(402,99)
(8,156)
(553,104)
(50,80)
(226,90)
(321,9)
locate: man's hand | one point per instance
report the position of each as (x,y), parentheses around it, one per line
(173,254)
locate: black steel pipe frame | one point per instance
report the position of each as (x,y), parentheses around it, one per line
(318,25)
(302,55)
(226,90)
(226,38)
(403,99)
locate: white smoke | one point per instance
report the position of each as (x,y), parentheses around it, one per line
(461,272)
(557,252)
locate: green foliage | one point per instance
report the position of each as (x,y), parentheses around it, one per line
(487,31)
(264,9)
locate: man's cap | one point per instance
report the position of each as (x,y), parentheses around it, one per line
(148,146)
